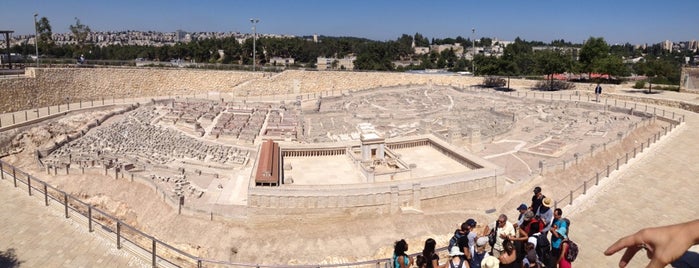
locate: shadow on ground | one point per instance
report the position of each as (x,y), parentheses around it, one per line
(636,91)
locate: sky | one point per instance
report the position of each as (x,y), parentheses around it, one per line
(617,21)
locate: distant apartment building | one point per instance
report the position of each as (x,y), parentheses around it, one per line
(279,61)
(667,45)
(346,63)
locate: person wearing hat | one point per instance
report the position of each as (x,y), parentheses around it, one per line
(456,260)
(530,226)
(479,254)
(522,209)
(490,262)
(537,199)
(545,214)
(530,259)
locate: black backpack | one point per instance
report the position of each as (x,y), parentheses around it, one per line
(572,253)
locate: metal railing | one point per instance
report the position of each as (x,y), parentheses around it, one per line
(613,166)
(125,236)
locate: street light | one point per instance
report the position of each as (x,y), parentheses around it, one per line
(473,45)
(254,37)
(36,39)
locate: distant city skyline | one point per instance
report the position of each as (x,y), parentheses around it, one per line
(635,22)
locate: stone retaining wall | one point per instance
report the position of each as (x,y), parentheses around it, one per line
(53,86)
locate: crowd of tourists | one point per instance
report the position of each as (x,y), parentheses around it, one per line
(537,238)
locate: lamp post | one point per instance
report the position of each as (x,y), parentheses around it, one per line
(36,39)
(254,38)
(473,45)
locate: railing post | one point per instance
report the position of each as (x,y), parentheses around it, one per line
(29,184)
(154,255)
(2,170)
(597,179)
(46,195)
(199,264)
(118,234)
(555,205)
(89,218)
(13,118)
(627,158)
(14,176)
(584,187)
(617,164)
(571,198)
(607,171)
(65,203)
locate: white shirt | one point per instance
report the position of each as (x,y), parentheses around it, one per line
(508,230)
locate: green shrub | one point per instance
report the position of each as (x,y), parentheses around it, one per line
(639,84)
(553,85)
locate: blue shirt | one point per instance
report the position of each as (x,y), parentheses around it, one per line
(562,228)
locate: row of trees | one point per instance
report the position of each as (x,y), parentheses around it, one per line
(519,58)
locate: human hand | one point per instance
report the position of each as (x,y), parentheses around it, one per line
(662,244)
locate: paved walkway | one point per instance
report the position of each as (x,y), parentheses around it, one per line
(659,188)
(42,237)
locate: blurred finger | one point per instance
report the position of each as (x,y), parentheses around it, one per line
(624,242)
(628,255)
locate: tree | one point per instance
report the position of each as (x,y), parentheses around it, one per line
(612,65)
(593,49)
(80,32)
(550,62)
(421,41)
(43,28)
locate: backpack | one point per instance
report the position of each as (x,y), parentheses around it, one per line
(461,264)
(572,250)
(492,237)
(455,239)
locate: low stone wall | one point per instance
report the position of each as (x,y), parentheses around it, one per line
(53,86)
(370,199)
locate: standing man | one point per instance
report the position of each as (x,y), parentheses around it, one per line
(503,230)
(598,91)
(558,233)
(537,199)
(520,219)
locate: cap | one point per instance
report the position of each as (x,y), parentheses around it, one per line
(528,215)
(523,206)
(532,240)
(482,241)
(471,222)
(537,189)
